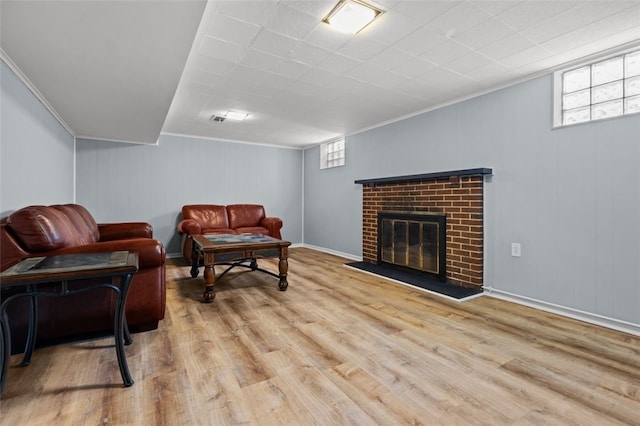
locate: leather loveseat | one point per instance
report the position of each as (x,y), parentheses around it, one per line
(231,219)
(70,228)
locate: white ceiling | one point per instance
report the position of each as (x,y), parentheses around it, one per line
(301,82)
(109,69)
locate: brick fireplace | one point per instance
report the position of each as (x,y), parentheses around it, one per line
(457,194)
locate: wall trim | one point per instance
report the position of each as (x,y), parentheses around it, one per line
(18,72)
(612,323)
(330,251)
(95,138)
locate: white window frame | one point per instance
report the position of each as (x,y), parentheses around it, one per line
(333,153)
(558,89)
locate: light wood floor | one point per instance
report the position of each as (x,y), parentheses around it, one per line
(338,347)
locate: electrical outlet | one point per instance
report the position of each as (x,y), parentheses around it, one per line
(515,250)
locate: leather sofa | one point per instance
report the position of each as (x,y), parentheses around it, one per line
(232,219)
(70,228)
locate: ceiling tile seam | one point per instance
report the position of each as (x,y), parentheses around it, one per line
(448,34)
(424,23)
(481,3)
(537,22)
(287,58)
(237,18)
(495,42)
(443,64)
(621,12)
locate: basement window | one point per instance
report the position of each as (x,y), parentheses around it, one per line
(604,89)
(332,153)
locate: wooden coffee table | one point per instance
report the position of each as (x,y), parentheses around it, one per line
(237,250)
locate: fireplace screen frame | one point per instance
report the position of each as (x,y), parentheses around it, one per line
(439,220)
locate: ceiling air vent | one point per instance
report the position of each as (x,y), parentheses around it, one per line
(218,118)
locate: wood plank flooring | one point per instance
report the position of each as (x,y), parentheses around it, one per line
(338,347)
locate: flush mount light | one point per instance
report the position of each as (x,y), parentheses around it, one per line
(236,115)
(229,115)
(351,16)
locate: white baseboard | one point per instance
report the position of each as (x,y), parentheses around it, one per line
(334,252)
(615,324)
(612,323)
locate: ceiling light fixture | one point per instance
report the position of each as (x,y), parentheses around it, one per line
(351,16)
(236,115)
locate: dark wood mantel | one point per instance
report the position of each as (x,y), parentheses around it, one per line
(425,176)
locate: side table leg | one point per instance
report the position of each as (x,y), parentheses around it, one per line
(283,267)
(32,331)
(5,348)
(127,335)
(209,282)
(119,330)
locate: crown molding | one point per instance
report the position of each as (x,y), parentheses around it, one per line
(17,71)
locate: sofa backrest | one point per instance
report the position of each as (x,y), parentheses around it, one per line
(44,228)
(209,216)
(83,221)
(244,215)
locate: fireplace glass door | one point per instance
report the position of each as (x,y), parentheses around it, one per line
(413,241)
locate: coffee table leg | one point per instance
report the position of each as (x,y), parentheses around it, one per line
(120,333)
(194,260)
(209,282)
(283,267)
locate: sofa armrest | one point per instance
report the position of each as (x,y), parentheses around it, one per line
(124,230)
(189,227)
(273,224)
(10,250)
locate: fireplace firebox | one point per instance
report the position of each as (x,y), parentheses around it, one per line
(413,240)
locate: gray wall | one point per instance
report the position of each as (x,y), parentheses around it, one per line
(570,196)
(129,182)
(36,151)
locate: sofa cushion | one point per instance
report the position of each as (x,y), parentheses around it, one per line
(219,231)
(245,215)
(252,230)
(83,222)
(209,216)
(42,228)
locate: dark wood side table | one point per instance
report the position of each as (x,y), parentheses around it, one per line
(27,277)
